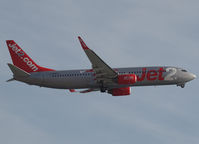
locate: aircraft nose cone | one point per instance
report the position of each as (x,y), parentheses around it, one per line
(192,76)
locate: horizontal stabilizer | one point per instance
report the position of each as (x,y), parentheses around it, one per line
(17,71)
(12,79)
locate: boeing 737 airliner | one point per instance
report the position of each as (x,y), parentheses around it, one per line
(101,77)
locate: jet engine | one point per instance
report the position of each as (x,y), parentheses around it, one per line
(127,79)
(120,91)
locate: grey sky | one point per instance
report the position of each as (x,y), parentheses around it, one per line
(123,33)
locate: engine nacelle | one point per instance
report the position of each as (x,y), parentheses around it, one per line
(120,91)
(127,79)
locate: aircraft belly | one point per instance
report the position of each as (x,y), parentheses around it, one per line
(66,83)
(155,82)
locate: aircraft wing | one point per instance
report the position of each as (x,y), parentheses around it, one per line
(103,72)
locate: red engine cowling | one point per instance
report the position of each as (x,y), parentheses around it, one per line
(127,79)
(120,91)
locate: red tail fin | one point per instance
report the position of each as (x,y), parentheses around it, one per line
(22,60)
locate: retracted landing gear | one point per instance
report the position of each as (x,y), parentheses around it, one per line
(181,85)
(102,88)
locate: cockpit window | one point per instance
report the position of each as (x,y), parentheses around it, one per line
(183,70)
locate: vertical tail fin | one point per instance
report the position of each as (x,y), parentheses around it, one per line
(22,60)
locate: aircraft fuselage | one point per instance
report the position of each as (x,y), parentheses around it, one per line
(85,78)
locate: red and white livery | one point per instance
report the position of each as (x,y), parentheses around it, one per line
(101,77)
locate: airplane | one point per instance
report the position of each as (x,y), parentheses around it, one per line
(100,77)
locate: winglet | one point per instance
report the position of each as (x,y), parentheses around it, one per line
(84,46)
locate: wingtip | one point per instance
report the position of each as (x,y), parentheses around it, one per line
(84,46)
(80,39)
